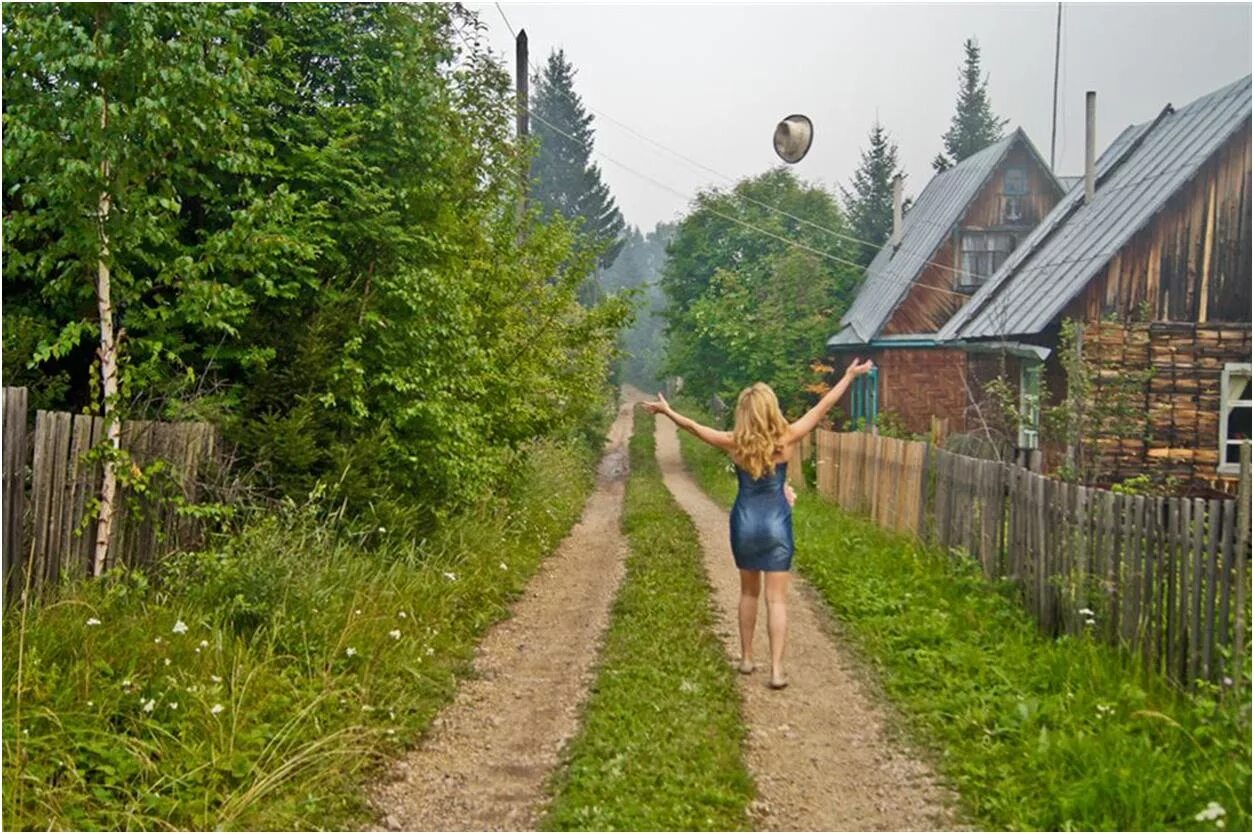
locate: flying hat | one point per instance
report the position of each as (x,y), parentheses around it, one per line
(793,137)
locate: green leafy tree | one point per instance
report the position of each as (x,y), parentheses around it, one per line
(313,240)
(869,203)
(974,125)
(747,306)
(567,182)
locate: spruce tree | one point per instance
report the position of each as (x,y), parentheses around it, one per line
(974,125)
(565,180)
(869,204)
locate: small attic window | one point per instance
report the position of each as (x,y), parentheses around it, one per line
(1015,182)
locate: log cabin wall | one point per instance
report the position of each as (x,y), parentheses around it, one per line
(1192,263)
(932,300)
(1182,399)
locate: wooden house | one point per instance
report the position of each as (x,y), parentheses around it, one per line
(959,232)
(1155,264)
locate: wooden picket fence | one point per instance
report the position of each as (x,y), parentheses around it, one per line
(1166,577)
(49,489)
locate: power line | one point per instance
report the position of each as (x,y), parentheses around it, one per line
(839,235)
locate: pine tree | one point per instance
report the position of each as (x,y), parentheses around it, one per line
(565,180)
(974,125)
(869,203)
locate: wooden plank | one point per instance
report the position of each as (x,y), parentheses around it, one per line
(41,496)
(1242,557)
(1196,571)
(1143,557)
(15,456)
(1040,511)
(1227,547)
(1171,598)
(57,534)
(1181,613)
(80,487)
(1214,516)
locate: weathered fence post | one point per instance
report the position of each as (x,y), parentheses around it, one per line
(14,476)
(1243,545)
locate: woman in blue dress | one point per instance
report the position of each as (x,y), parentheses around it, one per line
(759,445)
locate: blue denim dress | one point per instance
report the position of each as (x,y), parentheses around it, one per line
(761,522)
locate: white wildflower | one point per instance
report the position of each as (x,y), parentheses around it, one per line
(382,530)
(450,576)
(401,614)
(167,661)
(395,634)
(91,703)
(1228,681)
(391,732)
(157,641)
(126,684)
(216,709)
(430,651)
(92,621)
(1212,811)
(174,705)
(357,611)
(204,644)
(1085,612)
(149,705)
(504,566)
(350,651)
(180,627)
(215,679)
(367,708)
(1090,622)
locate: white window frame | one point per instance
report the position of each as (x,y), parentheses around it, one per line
(1231,369)
(985,252)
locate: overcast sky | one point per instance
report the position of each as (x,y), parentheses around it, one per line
(711,81)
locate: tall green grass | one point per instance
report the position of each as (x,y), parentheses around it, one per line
(258,684)
(660,747)
(1035,733)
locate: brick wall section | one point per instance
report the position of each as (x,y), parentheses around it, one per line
(1182,399)
(916,384)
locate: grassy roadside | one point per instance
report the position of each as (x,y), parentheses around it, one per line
(1035,734)
(263,693)
(660,747)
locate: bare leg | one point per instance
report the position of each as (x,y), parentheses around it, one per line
(750,589)
(777,621)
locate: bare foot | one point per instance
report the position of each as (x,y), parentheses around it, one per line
(746,666)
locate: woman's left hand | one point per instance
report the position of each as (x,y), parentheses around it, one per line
(661,406)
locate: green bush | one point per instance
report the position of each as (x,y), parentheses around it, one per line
(256,685)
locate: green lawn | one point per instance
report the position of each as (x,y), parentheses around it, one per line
(660,747)
(1035,733)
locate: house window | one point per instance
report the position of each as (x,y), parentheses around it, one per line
(983,253)
(1029,405)
(1234,418)
(864,405)
(1015,182)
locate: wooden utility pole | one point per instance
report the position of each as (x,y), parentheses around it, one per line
(1053,119)
(522,123)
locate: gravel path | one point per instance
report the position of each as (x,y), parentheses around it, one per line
(484,763)
(818,750)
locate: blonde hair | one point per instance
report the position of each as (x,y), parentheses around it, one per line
(759,430)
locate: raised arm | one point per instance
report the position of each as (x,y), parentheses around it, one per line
(717,439)
(810,421)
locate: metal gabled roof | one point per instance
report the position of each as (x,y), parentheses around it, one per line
(928,223)
(1136,176)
